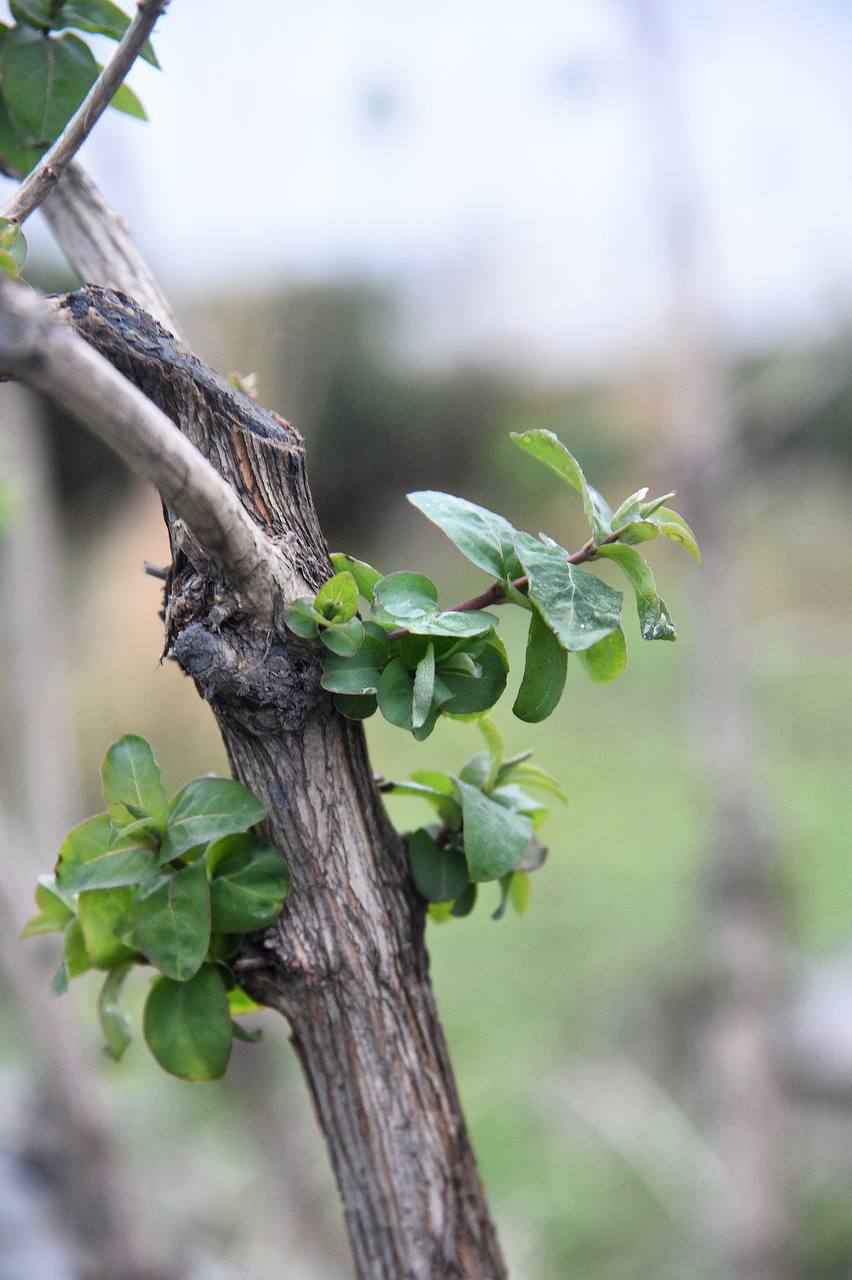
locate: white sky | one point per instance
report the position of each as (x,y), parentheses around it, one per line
(497,160)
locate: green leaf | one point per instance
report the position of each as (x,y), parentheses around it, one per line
(358,674)
(248,883)
(495,838)
(505,883)
(240,1002)
(126,101)
(472,694)
(396,691)
(424,688)
(550,450)
(206,809)
(45,78)
(654,617)
(577,606)
(439,873)
(33,13)
(519,892)
(364,574)
(302,618)
(630,509)
(171,921)
(188,1025)
(54,912)
(114,1026)
(465,903)
(17,157)
(531,776)
(356,708)
(639,531)
(13,243)
(441,797)
(74,954)
(104,915)
(545,671)
(99,17)
(59,985)
(91,857)
(132,784)
(343,638)
(607,659)
(674,527)
(485,538)
(405,597)
(337,599)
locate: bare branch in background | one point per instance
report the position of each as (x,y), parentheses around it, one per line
(40,351)
(97,244)
(56,159)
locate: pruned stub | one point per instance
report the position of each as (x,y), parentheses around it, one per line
(251,673)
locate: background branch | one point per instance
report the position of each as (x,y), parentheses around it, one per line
(56,159)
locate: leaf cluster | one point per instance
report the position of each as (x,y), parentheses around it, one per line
(404,655)
(46,72)
(170,884)
(486,828)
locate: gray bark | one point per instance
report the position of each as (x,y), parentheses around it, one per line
(346,963)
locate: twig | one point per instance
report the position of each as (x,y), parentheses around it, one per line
(39,350)
(51,166)
(498,592)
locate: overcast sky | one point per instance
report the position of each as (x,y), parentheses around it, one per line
(500,160)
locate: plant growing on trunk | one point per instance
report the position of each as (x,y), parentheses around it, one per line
(286,886)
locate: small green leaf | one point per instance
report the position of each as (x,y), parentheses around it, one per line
(630,509)
(439,873)
(396,691)
(356,708)
(577,606)
(33,13)
(485,538)
(424,688)
(674,527)
(54,912)
(343,638)
(17,156)
(607,659)
(495,746)
(105,915)
(443,798)
(91,857)
(248,883)
(171,921)
(74,954)
(472,694)
(59,985)
(302,618)
(13,243)
(545,671)
(639,531)
(405,597)
(358,674)
(654,617)
(505,883)
(132,784)
(188,1025)
(45,78)
(126,101)
(206,809)
(114,1026)
(519,892)
(465,902)
(531,776)
(337,599)
(549,449)
(495,838)
(242,1033)
(364,574)
(98,17)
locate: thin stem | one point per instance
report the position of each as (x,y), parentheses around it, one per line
(498,593)
(53,163)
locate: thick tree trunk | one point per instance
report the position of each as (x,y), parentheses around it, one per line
(346,963)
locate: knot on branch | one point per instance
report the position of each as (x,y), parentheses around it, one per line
(256,680)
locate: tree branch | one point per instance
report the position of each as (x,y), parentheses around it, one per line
(53,163)
(39,350)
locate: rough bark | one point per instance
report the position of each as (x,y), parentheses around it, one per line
(346,963)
